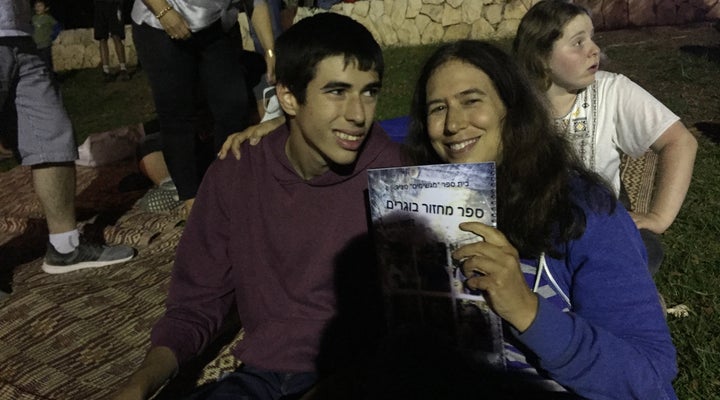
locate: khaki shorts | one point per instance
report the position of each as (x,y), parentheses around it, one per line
(33,115)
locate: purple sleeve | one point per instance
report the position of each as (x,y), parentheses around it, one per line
(615,343)
(200,293)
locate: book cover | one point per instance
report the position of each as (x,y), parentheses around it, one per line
(416,212)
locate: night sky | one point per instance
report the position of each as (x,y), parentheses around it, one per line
(74,14)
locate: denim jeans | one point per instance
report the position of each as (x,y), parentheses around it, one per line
(653,245)
(183,74)
(248,383)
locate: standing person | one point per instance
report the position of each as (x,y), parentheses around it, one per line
(45,30)
(108,22)
(265,27)
(605,114)
(31,107)
(565,269)
(281,236)
(191,50)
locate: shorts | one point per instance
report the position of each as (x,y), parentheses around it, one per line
(108,20)
(33,114)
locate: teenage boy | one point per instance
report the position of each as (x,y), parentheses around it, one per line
(281,234)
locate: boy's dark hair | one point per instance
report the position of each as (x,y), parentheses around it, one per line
(541,26)
(313,39)
(535,205)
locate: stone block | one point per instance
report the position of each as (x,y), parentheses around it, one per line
(530,3)
(408,33)
(361,8)
(688,13)
(507,28)
(398,13)
(457,32)
(481,29)
(615,14)
(91,57)
(471,11)
(514,10)
(84,37)
(435,2)
(433,33)
(377,9)
(386,31)
(131,55)
(493,13)
(666,12)
(128,34)
(641,13)
(594,6)
(413,8)
(451,15)
(422,22)
(455,3)
(435,12)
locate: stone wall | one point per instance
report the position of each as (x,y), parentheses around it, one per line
(410,22)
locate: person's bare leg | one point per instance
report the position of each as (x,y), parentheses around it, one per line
(187,207)
(104,55)
(119,49)
(55,187)
(154,167)
(124,75)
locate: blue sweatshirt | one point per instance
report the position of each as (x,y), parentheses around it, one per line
(600,331)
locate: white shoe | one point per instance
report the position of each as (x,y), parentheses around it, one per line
(271,104)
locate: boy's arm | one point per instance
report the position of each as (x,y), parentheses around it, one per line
(159,365)
(676,148)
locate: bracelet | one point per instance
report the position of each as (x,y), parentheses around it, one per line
(163,11)
(270,53)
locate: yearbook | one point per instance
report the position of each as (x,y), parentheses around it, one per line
(415,214)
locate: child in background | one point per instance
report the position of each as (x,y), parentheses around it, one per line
(605,114)
(46,29)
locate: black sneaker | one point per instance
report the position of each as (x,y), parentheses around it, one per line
(86,255)
(108,77)
(124,75)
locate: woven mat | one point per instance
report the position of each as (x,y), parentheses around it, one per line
(79,335)
(638,178)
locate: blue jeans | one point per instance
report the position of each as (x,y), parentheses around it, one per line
(653,244)
(183,74)
(248,383)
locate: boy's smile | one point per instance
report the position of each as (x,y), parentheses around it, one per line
(333,123)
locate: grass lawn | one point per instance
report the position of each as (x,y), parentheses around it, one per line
(679,65)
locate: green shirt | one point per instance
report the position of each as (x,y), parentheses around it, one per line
(43,24)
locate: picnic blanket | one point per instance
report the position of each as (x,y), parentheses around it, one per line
(79,335)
